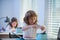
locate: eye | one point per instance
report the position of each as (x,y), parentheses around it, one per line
(34,17)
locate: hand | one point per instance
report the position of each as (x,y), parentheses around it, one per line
(13,30)
(34,26)
(42,28)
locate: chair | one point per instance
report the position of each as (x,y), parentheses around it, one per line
(58,37)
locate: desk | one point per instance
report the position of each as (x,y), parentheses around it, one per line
(6,35)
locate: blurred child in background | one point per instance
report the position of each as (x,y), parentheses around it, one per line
(12,25)
(12,29)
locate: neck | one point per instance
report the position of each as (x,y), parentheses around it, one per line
(13,27)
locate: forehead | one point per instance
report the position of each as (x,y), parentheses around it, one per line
(33,17)
(14,22)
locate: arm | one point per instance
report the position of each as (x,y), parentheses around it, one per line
(27,27)
(41,27)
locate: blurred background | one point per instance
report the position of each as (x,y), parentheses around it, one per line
(48,12)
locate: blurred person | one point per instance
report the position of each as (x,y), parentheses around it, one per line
(30,25)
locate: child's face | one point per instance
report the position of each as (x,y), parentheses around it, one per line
(32,20)
(14,24)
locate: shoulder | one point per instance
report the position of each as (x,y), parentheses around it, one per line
(8,28)
(23,24)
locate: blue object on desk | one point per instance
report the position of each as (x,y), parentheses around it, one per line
(19,30)
(20,38)
(40,36)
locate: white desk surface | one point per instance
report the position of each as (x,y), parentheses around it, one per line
(8,33)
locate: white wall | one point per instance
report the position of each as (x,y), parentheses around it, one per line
(38,6)
(18,8)
(10,8)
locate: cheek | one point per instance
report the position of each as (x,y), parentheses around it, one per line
(14,24)
(34,20)
(30,21)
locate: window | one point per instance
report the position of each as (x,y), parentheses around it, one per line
(52,20)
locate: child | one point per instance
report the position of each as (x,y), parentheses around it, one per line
(13,29)
(12,25)
(31,26)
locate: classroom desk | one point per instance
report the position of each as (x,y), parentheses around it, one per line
(6,35)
